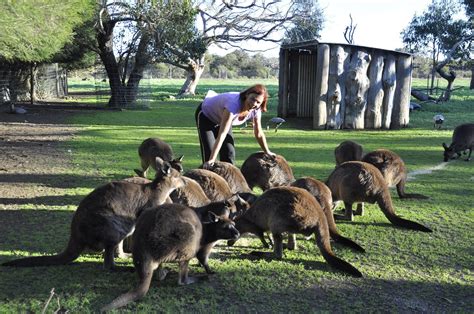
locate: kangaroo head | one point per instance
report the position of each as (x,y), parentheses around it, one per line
(167,176)
(177,163)
(220,227)
(449,153)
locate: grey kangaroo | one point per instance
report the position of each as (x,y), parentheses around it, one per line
(174,233)
(151,148)
(294,210)
(107,215)
(348,151)
(266,171)
(393,170)
(463,139)
(232,175)
(356,181)
(322,194)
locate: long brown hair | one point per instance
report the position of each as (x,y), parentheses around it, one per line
(258,89)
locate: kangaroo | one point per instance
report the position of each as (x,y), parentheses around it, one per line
(393,170)
(173,233)
(463,139)
(356,181)
(322,194)
(294,210)
(107,215)
(232,175)
(213,185)
(151,148)
(347,151)
(266,171)
(191,194)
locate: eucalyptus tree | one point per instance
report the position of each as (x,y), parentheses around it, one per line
(229,24)
(128,32)
(438,33)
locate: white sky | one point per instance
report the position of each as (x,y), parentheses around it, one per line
(379,22)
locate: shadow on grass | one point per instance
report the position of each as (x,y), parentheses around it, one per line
(65,181)
(50,200)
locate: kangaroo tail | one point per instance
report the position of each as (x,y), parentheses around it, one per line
(408,224)
(139,292)
(335,233)
(72,251)
(322,241)
(347,242)
(385,204)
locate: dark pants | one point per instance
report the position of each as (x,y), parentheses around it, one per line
(208,131)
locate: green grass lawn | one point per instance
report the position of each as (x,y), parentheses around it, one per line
(404,271)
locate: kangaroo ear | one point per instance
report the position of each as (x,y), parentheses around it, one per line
(445,146)
(211,218)
(162,166)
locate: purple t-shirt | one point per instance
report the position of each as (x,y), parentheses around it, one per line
(214,104)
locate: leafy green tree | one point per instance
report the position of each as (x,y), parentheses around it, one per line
(436,32)
(33,31)
(308,26)
(227,24)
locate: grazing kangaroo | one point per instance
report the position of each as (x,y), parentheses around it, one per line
(356,181)
(151,148)
(348,151)
(393,170)
(266,171)
(232,175)
(173,233)
(294,210)
(107,215)
(213,185)
(463,139)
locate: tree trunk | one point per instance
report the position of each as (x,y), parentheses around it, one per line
(194,72)
(357,84)
(389,83)
(373,113)
(141,61)
(446,95)
(336,91)
(401,109)
(117,89)
(321,90)
(471,86)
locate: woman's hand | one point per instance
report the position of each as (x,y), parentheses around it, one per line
(208,164)
(273,155)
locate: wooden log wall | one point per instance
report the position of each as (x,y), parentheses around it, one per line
(345,86)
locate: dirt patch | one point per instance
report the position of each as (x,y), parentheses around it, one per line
(32,159)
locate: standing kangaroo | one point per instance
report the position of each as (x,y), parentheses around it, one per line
(393,170)
(191,194)
(356,181)
(348,151)
(173,233)
(322,194)
(463,139)
(266,171)
(151,148)
(107,215)
(294,210)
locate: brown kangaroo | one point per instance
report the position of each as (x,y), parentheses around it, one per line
(463,139)
(232,175)
(107,215)
(294,210)
(356,181)
(151,148)
(348,151)
(213,185)
(174,233)
(322,194)
(393,170)
(266,171)
(191,194)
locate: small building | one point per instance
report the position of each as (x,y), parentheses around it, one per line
(342,86)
